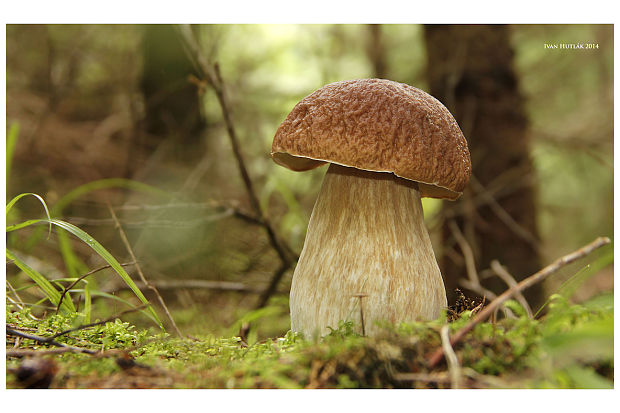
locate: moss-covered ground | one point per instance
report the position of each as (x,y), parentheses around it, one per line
(571,346)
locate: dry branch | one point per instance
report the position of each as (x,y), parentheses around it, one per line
(453,362)
(214,78)
(435,357)
(48,340)
(97,323)
(510,281)
(73,284)
(468,254)
(221,212)
(30,353)
(504,216)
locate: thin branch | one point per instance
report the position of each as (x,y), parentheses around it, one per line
(48,340)
(361,297)
(271,289)
(478,289)
(473,283)
(504,216)
(468,254)
(97,323)
(63,348)
(436,356)
(139,270)
(66,348)
(503,186)
(215,80)
(510,281)
(222,211)
(153,223)
(442,377)
(453,362)
(196,284)
(212,72)
(29,353)
(73,284)
(19,303)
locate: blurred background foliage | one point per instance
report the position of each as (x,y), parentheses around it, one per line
(115,101)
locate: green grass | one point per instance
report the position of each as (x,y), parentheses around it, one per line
(51,292)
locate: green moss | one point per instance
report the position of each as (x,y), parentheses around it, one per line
(572,346)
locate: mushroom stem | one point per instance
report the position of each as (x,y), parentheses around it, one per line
(367,236)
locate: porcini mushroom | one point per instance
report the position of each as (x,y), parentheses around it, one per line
(388,144)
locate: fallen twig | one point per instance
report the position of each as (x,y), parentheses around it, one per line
(73,284)
(19,303)
(97,323)
(436,356)
(204,284)
(224,212)
(444,377)
(453,362)
(48,340)
(29,353)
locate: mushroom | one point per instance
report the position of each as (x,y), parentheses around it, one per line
(367,256)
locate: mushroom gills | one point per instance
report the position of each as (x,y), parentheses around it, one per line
(367,255)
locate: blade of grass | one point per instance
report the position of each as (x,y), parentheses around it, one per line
(570,286)
(87,302)
(11,142)
(13,201)
(68,198)
(567,288)
(109,258)
(52,293)
(113,297)
(104,184)
(73,264)
(21,225)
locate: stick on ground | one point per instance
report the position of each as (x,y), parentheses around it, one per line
(528,282)
(139,270)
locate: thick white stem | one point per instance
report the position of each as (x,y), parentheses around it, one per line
(366,244)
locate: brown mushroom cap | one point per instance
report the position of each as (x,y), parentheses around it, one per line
(377,125)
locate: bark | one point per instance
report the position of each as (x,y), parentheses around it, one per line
(470,69)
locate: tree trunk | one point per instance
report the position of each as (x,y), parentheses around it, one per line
(375,51)
(470,69)
(172,105)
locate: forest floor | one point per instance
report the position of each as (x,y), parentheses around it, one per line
(571,346)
